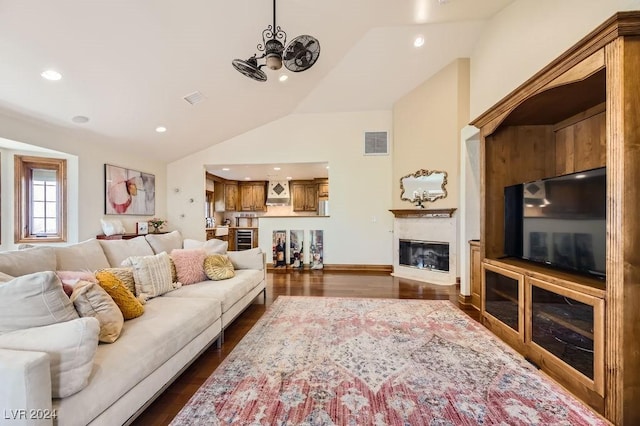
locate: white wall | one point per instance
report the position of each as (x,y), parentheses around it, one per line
(358,230)
(469,210)
(92,152)
(526,36)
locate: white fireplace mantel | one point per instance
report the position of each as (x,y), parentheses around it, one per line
(436,225)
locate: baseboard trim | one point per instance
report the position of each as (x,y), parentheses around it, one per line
(464,300)
(339,267)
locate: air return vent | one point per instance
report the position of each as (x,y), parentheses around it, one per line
(376,143)
(194,98)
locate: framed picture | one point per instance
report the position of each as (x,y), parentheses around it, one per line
(142,228)
(128,191)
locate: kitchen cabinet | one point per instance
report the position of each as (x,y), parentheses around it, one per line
(323,188)
(252,196)
(304,196)
(231,197)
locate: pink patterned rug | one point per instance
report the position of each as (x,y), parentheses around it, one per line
(325,361)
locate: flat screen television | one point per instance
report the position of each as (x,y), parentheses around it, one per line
(559,221)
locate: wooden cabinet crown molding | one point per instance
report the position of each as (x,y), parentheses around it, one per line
(620,24)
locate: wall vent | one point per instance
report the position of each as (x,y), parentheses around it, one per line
(194,98)
(376,143)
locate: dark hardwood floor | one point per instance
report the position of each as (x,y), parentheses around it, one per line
(308,283)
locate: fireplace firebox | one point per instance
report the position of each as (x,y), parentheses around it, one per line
(430,255)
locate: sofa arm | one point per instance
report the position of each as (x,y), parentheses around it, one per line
(25,388)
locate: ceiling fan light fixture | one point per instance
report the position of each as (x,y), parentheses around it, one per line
(299,55)
(273,54)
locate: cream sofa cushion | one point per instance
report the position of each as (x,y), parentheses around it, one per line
(119,250)
(71,346)
(165,242)
(28,261)
(34,300)
(91,300)
(87,255)
(212,246)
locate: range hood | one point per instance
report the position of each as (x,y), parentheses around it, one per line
(278,193)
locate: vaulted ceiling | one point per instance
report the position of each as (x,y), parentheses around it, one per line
(126,65)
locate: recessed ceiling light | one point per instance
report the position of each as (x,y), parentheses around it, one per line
(327,167)
(419,41)
(161,129)
(80,119)
(276,168)
(225,169)
(283,78)
(52,75)
(247,178)
(289,178)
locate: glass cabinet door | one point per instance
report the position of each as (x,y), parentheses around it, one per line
(568,325)
(503,297)
(564,327)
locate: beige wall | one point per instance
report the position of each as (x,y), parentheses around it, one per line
(358,230)
(86,208)
(426,129)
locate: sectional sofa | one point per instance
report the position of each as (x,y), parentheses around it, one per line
(123,377)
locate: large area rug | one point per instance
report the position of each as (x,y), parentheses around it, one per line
(324,361)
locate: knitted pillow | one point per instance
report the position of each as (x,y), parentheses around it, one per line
(218,267)
(91,300)
(125,275)
(126,301)
(189,265)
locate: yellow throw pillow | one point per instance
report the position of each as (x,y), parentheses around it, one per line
(126,301)
(218,267)
(123,274)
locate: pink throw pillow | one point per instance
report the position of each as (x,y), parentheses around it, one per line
(70,278)
(189,265)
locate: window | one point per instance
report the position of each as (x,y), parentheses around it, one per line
(41,193)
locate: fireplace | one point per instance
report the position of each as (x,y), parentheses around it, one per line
(430,255)
(425,245)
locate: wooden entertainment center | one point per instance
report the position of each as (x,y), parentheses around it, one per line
(580,112)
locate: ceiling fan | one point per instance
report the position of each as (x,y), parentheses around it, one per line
(299,55)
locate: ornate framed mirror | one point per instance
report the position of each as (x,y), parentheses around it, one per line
(423,185)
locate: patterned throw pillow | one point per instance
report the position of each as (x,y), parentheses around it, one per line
(189,265)
(152,274)
(91,300)
(218,267)
(125,275)
(126,301)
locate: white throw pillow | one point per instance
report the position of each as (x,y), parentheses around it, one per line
(212,246)
(71,346)
(165,242)
(112,227)
(152,275)
(247,259)
(91,300)
(34,300)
